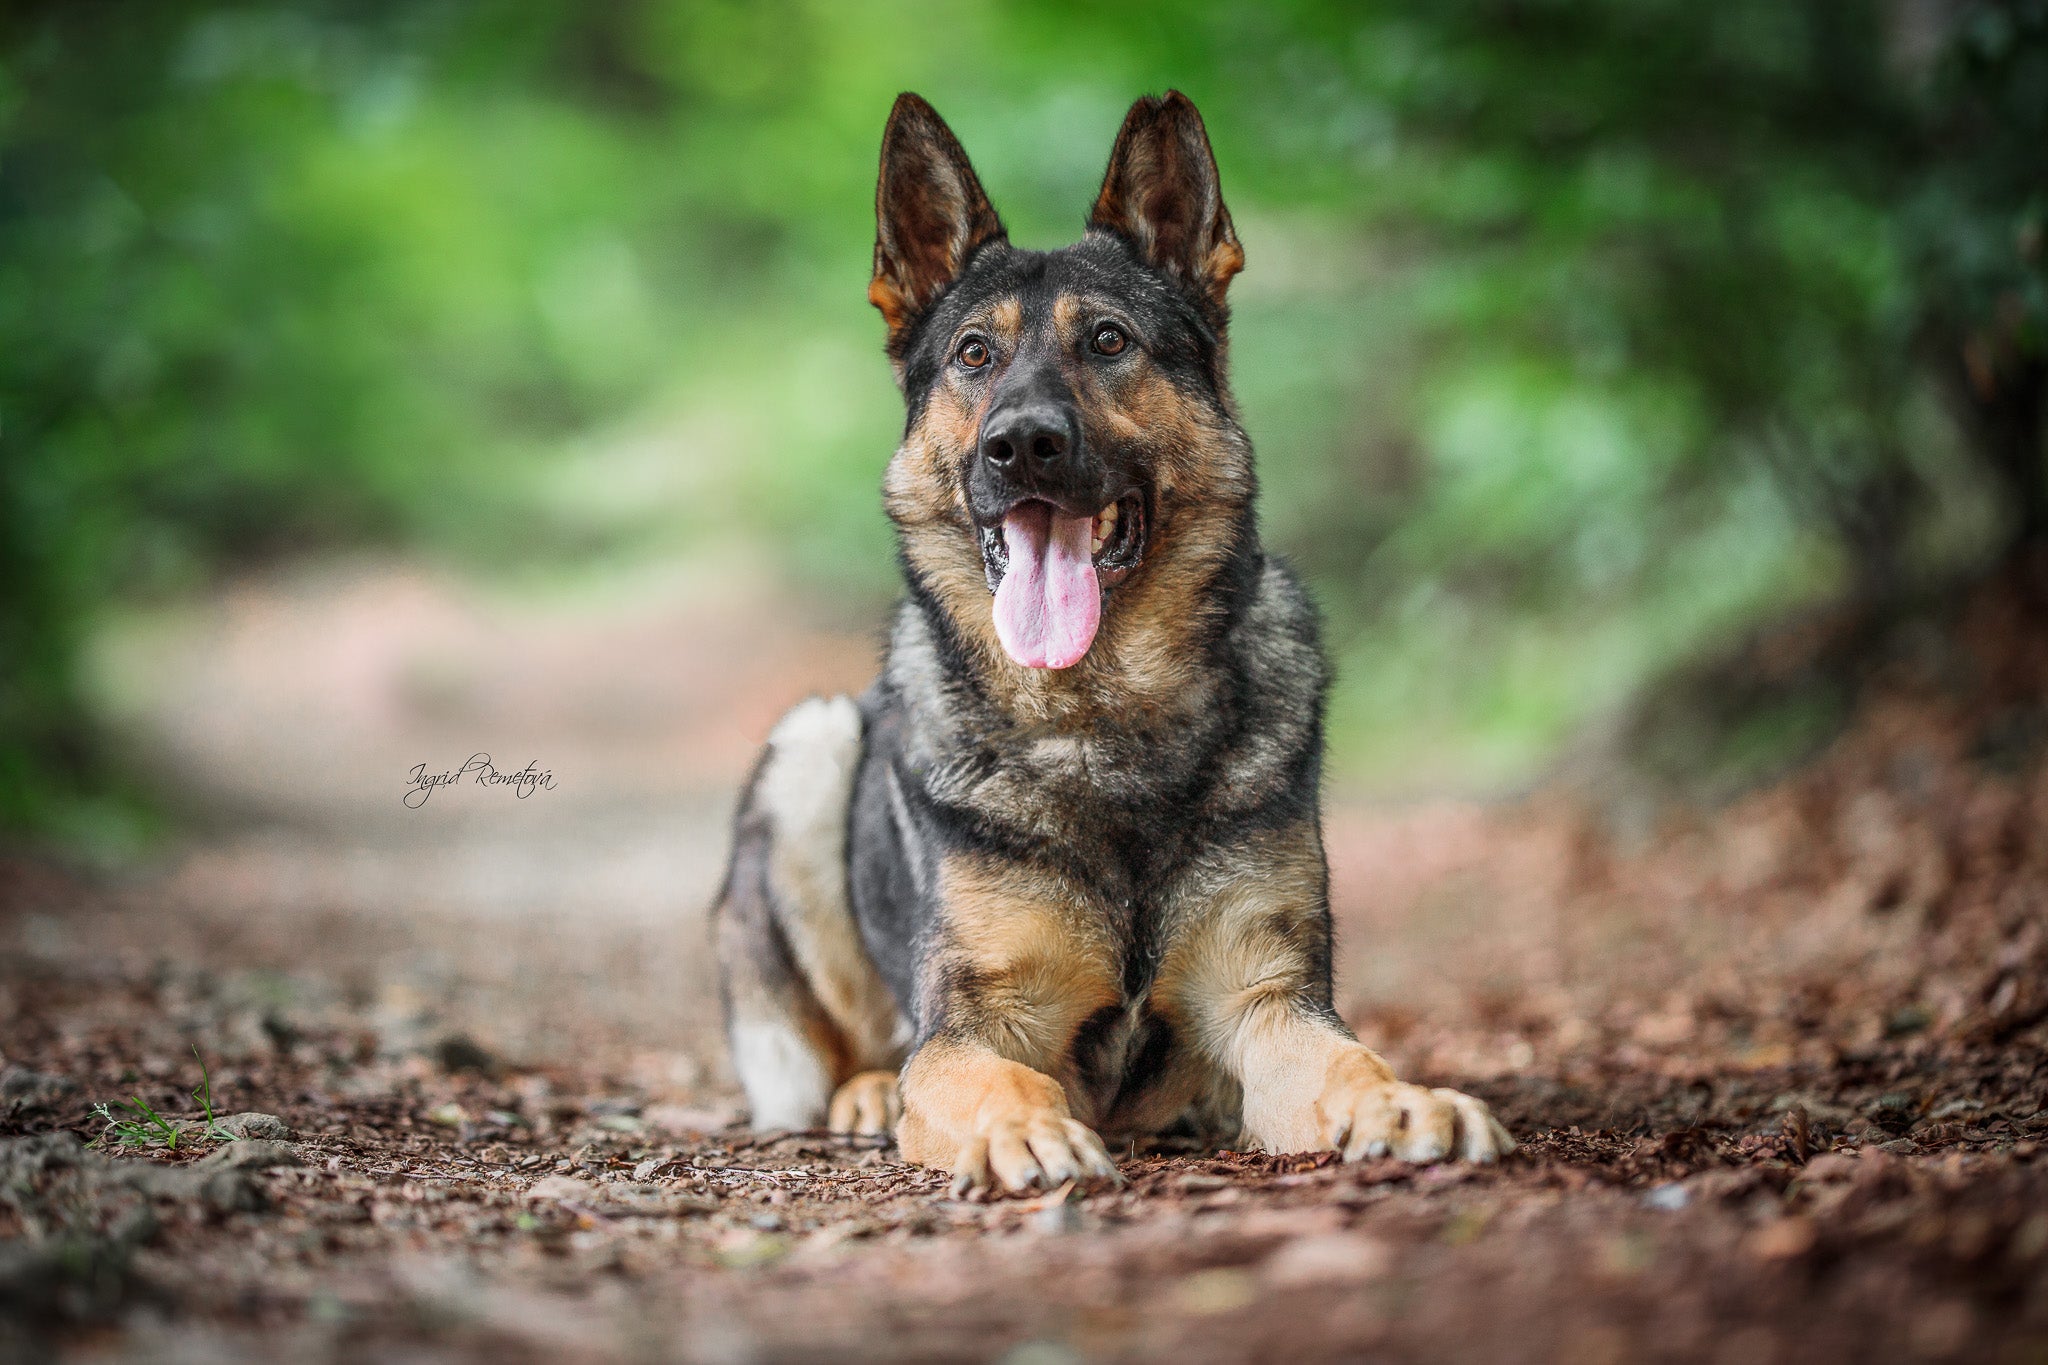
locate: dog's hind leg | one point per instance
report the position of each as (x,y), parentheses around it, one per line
(807,1015)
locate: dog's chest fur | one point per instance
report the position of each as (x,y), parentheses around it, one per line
(1125,813)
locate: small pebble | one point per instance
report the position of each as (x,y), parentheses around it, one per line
(255,1125)
(1055,1219)
(1669,1198)
(1328,1258)
(558,1187)
(249,1154)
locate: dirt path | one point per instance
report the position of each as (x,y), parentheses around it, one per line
(1779,1070)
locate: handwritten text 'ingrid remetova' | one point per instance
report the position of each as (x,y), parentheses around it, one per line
(524,783)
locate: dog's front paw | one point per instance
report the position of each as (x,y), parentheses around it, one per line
(866,1104)
(1040,1149)
(993,1122)
(1362,1116)
(1020,1150)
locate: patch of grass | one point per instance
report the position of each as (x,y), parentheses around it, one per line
(204,1094)
(151,1127)
(148,1127)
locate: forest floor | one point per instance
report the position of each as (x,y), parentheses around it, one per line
(1779,1068)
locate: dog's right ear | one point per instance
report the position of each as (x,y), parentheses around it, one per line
(930,215)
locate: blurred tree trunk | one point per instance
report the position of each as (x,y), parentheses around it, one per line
(1982,221)
(2005,401)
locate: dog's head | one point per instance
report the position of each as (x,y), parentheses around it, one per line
(1071,465)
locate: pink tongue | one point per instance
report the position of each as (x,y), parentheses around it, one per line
(1048,605)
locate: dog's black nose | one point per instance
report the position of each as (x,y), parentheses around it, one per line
(1028,444)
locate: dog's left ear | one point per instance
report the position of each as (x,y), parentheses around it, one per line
(1162,195)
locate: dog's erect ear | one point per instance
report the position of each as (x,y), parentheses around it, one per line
(1161,194)
(930,214)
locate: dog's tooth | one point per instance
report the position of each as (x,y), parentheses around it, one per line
(1105,525)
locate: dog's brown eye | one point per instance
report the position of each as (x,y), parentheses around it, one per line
(1109,340)
(973,354)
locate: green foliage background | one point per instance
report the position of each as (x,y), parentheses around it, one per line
(1574,336)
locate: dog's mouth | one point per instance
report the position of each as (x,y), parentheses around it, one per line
(1050,570)
(1116,538)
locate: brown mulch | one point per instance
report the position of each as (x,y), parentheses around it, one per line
(1780,1070)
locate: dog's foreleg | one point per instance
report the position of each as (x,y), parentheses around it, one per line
(1252,975)
(1014,969)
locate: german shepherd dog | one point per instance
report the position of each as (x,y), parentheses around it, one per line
(1060,870)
